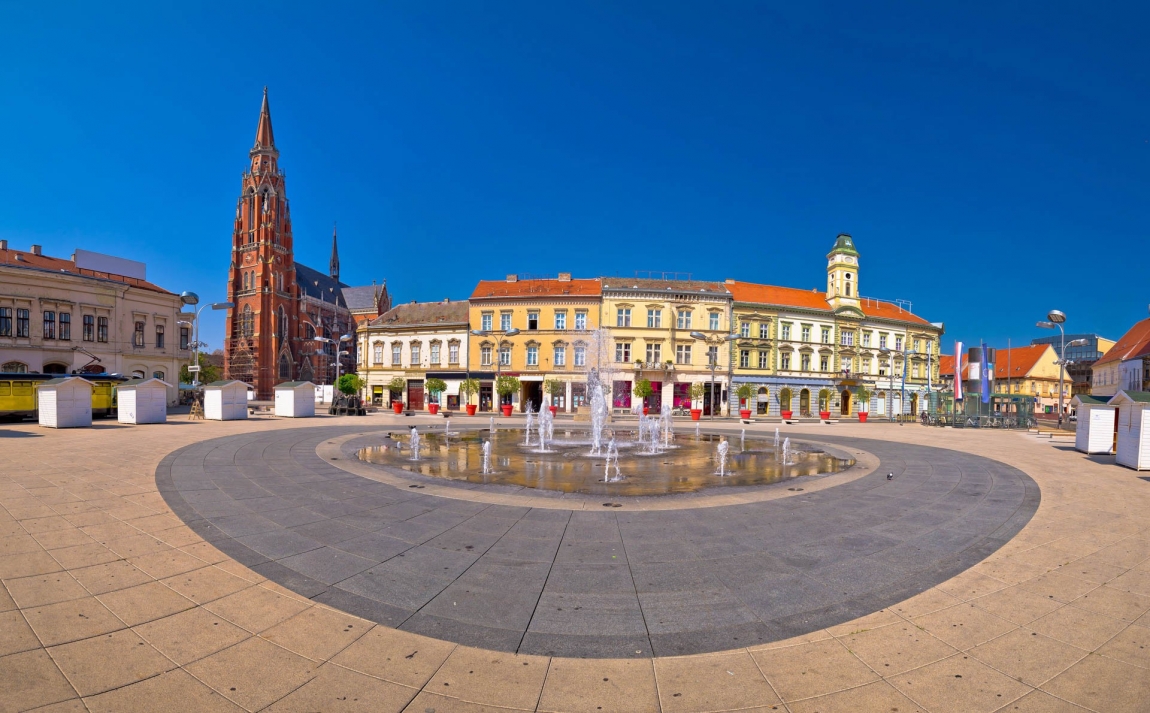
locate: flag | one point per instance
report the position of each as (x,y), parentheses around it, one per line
(958,371)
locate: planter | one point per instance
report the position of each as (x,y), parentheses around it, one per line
(553,409)
(696,414)
(471,409)
(825,415)
(862,416)
(787,415)
(397,406)
(433,409)
(646,410)
(745,414)
(506,408)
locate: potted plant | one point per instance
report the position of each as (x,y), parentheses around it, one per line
(643,391)
(435,387)
(864,404)
(468,388)
(553,388)
(396,386)
(785,396)
(745,392)
(824,404)
(696,392)
(506,386)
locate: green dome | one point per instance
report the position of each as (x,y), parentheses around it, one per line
(844,244)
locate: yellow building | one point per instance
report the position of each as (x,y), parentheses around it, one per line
(1034,371)
(650,323)
(557,339)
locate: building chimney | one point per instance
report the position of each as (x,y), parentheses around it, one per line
(3,244)
(35,249)
(513,278)
(729,281)
(565,277)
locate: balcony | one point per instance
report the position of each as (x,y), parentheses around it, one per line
(653,366)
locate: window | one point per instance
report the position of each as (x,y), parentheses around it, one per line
(66,326)
(805,362)
(485,355)
(866,339)
(745,330)
(623,317)
(185,334)
(882,341)
(764,331)
(806,333)
(713,322)
(102,328)
(580,355)
(435,354)
(6,322)
(159,336)
(683,354)
(712,355)
(847,339)
(845,364)
(415,355)
(23,326)
(452,353)
(744,358)
(485,323)
(533,320)
(138,335)
(684,319)
(786,331)
(864,366)
(914,371)
(532,355)
(655,318)
(505,322)
(49,324)
(916,343)
(785,361)
(560,320)
(654,353)
(848,284)
(397,355)
(898,343)
(824,363)
(764,356)
(14,367)
(826,336)
(559,356)
(505,356)
(158,375)
(377,353)
(284,367)
(580,321)
(623,352)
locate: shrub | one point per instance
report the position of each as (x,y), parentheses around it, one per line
(349,384)
(506,385)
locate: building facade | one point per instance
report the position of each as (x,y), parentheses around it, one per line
(558,340)
(825,347)
(281,306)
(1080,358)
(81,315)
(1126,365)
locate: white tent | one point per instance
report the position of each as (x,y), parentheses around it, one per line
(65,402)
(1133,449)
(1095,431)
(295,399)
(142,401)
(226,401)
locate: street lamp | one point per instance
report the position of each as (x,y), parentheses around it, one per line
(713,357)
(338,353)
(192,299)
(498,349)
(1056,319)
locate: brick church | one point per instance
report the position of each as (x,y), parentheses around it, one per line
(284,309)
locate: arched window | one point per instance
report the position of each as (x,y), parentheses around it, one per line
(14,367)
(245,280)
(283,324)
(247,322)
(310,330)
(251,215)
(138,374)
(848,284)
(285,367)
(158,375)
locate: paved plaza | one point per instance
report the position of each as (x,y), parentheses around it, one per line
(259,566)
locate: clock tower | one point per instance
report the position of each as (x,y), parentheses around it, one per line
(843,277)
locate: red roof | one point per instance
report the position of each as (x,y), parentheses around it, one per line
(1020,361)
(18,258)
(1134,344)
(490,289)
(814,299)
(946,365)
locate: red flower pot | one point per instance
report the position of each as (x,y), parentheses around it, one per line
(433,409)
(506,409)
(825,415)
(646,410)
(787,415)
(745,414)
(553,409)
(471,409)
(397,406)
(862,416)
(696,414)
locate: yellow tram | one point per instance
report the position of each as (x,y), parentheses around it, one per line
(18,394)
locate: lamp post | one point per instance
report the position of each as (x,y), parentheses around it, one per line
(498,357)
(192,299)
(338,353)
(713,357)
(1056,319)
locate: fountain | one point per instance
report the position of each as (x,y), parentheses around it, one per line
(612,458)
(546,429)
(743,440)
(414,444)
(667,425)
(787,452)
(487,457)
(598,411)
(721,453)
(491,425)
(530,423)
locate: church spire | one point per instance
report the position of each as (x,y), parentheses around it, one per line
(333,267)
(264,137)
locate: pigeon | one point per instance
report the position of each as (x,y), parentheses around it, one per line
(890,476)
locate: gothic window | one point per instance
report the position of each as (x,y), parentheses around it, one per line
(245,280)
(283,324)
(285,367)
(247,322)
(310,331)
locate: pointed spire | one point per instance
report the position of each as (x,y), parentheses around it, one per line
(333,267)
(264,137)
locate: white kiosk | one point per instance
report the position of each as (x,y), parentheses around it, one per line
(65,402)
(295,399)
(1133,449)
(1095,429)
(142,401)
(226,401)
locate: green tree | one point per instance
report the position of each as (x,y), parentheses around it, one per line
(208,373)
(467,388)
(349,384)
(643,390)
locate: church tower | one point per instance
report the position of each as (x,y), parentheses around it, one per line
(843,277)
(333,266)
(261,278)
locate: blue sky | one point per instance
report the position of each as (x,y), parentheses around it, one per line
(991,163)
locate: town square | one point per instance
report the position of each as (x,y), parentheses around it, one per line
(666,358)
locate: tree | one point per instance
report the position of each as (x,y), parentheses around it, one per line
(467,388)
(696,390)
(396,385)
(863,399)
(824,399)
(349,384)
(506,385)
(785,396)
(745,392)
(643,390)
(208,373)
(436,387)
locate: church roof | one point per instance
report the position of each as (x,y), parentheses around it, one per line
(319,286)
(264,137)
(362,298)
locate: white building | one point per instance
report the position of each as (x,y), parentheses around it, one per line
(65,402)
(89,314)
(142,401)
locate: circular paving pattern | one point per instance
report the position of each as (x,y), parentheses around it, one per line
(613,583)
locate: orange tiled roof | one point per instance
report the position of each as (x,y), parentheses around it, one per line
(27,260)
(1020,360)
(945,364)
(814,299)
(1135,343)
(490,289)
